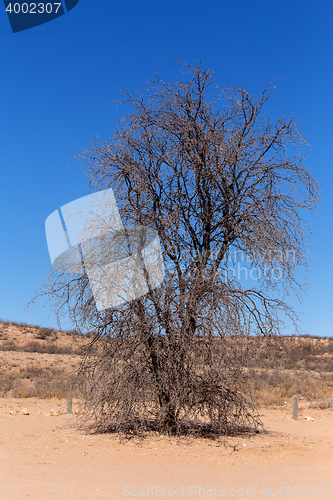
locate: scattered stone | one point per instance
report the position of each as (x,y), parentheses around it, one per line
(25,412)
(309,418)
(53,413)
(12,412)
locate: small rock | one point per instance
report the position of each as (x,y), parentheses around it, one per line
(308,418)
(12,412)
(55,413)
(25,411)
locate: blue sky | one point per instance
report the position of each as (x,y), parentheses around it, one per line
(58,87)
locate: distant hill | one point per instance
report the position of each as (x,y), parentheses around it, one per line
(43,362)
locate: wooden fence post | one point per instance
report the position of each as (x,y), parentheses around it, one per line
(69,404)
(295,408)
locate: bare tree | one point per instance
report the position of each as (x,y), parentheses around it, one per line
(216,179)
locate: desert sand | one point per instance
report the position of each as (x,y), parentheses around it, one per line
(43,456)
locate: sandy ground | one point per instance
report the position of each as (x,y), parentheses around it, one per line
(44,457)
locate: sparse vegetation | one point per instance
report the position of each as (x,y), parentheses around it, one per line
(273,388)
(34,381)
(39,339)
(280,368)
(24,376)
(48,348)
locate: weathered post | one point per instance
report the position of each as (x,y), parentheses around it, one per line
(295,408)
(69,403)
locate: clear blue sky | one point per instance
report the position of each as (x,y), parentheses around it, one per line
(59,82)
